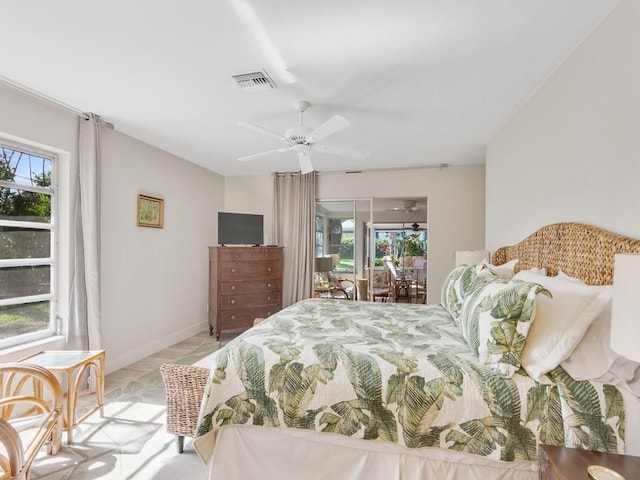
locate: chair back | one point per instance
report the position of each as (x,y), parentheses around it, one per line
(333,280)
(388,262)
(341,287)
(31,402)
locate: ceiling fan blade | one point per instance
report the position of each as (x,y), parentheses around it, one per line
(342,151)
(331,126)
(305,162)
(256,155)
(258,128)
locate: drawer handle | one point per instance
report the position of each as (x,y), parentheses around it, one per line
(268,269)
(233,301)
(268,313)
(233,287)
(233,317)
(269,284)
(269,298)
(233,270)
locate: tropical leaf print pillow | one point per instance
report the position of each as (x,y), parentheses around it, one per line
(460,283)
(495,321)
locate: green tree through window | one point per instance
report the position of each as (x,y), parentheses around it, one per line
(25,243)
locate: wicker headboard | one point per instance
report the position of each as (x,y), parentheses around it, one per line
(578,250)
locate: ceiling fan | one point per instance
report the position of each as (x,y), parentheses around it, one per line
(302,139)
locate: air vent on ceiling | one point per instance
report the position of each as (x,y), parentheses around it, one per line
(254,81)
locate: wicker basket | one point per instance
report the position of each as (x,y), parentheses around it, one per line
(184,386)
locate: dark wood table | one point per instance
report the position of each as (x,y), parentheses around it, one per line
(562,463)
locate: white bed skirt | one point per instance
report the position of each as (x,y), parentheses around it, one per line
(288,454)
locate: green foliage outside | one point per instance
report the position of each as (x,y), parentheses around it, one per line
(20,319)
(411,245)
(346,247)
(382,248)
(414,245)
(18,242)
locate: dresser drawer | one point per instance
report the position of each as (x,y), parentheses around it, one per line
(250,300)
(244,317)
(245,283)
(249,255)
(242,270)
(242,288)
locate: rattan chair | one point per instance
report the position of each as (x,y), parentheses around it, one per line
(341,287)
(379,285)
(31,403)
(184,385)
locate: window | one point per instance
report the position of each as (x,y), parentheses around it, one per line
(398,241)
(319,236)
(346,248)
(27,240)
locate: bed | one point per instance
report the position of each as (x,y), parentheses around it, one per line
(336,389)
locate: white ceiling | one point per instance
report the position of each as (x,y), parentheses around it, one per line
(423,82)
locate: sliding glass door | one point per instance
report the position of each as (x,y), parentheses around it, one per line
(353,236)
(400,232)
(342,235)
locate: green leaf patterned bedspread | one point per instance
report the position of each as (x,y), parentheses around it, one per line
(398,373)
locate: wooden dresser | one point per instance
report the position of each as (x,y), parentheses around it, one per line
(244,283)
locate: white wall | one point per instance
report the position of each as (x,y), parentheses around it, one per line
(251,194)
(26,120)
(455,208)
(154,281)
(455,205)
(572,153)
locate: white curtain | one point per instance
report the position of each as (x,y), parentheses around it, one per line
(294,229)
(84,329)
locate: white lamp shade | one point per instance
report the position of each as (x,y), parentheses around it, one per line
(625,310)
(471,257)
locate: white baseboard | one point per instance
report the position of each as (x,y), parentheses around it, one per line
(121,361)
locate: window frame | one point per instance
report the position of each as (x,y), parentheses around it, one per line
(319,229)
(50,261)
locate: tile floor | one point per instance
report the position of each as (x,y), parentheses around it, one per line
(134,371)
(130,441)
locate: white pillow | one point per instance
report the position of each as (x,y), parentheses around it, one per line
(561,274)
(593,359)
(560,322)
(539,271)
(506,270)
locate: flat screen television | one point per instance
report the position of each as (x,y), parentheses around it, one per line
(240,229)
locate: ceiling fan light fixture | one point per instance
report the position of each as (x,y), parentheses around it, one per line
(298,134)
(302,139)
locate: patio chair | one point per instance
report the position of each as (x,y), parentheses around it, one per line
(31,403)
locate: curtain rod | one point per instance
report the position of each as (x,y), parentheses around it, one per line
(41,96)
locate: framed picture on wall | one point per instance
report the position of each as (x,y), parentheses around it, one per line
(150,212)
